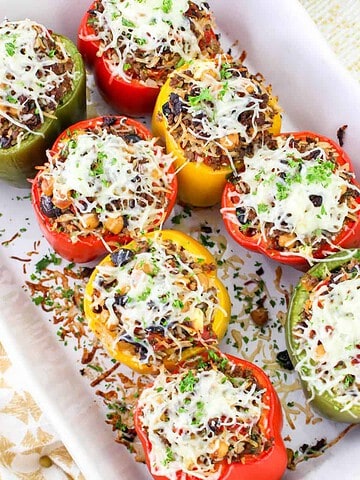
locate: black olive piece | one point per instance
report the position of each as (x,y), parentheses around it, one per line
(166,109)
(206,228)
(136,179)
(108,121)
(120,300)
(85,272)
(5,142)
(48,208)
(241,215)
(316,200)
(304,447)
(260,271)
(132,138)
(152,305)
(195,91)
(142,352)
(128,434)
(141,349)
(284,360)
(214,424)
(155,329)
(176,103)
(121,257)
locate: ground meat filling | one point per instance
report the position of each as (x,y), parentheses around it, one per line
(133,50)
(106,180)
(35,75)
(278,174)
(217,111)
(157,299)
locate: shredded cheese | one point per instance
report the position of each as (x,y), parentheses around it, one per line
(226,99)
(165,293)
(274,180)
(143,31)
(28,76)
(216,110)
(104,174)
(196,419)
(328,340)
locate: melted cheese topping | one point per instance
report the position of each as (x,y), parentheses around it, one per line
(216,110)
(274,182)
(26,72)
(329,342)
(158,298)
(197,418)
(223,97)
(153,26)
(103,173)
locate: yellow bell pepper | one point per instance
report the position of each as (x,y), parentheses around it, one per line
(200,185)
(128,353)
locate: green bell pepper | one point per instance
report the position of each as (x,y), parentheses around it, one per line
(17,163)
(323,336)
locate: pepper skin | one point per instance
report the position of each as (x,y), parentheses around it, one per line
(90,247)
(199,184)
(17,163)
(108,337)
(349,237)
(271,463)
(324,403)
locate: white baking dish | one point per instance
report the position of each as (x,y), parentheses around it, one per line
(316,94)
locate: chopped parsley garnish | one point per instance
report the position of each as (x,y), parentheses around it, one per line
(320,173)
(10,49)
(178,303)
(169,456)
(46,261)
(282,191)
(204,96)
(167,6)
(263,208)
(205,240)
(224,71)
(128,23)
(187,383)
(145,294)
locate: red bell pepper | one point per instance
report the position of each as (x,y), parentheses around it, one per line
(129,97)
(269,463)
(87,247)
(251,239)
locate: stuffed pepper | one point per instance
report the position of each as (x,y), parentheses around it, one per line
(133,45)
(210,114)
(42,91)
(105,182)
(323,335)
(296,200)
(156,300)
(217,418)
